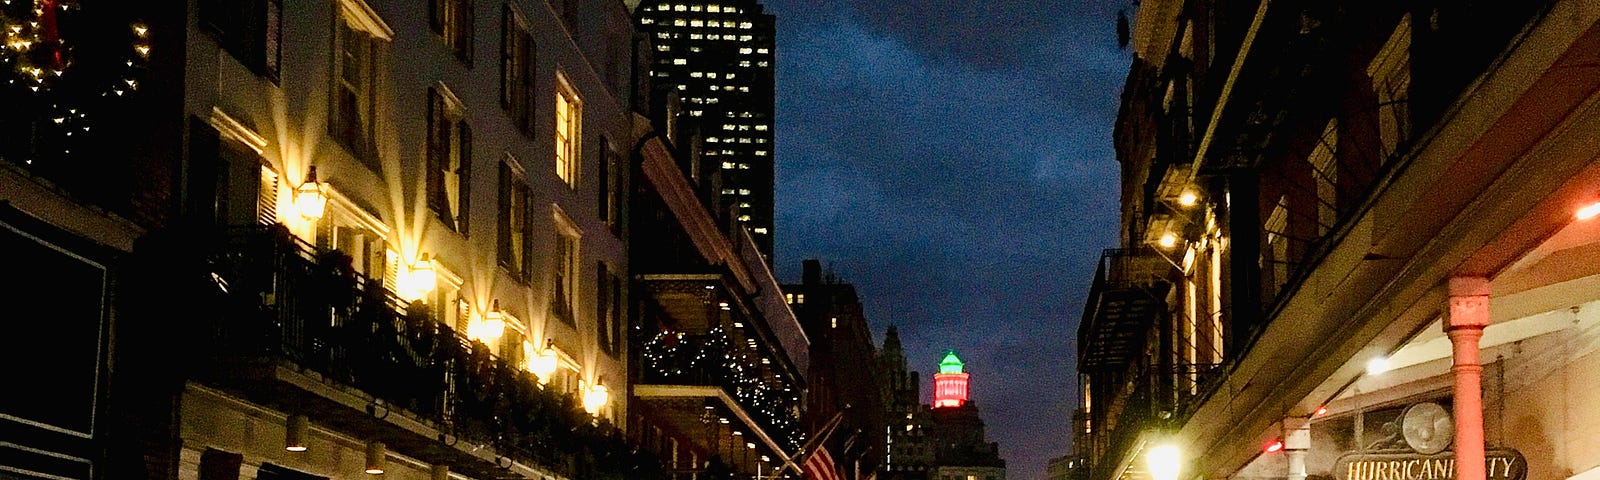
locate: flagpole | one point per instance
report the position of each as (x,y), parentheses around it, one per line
(805,449)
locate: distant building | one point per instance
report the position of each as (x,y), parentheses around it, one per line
(844,376)
(716,58)
(956,432)
(908,453)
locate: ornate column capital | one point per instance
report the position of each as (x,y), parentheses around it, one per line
(1468,304)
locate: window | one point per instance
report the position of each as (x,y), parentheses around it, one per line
(250,30)
(358,237)
(453,20)
(517,67)
(355,72)
(569,113)
(449,158)
(515,229)
(565,269)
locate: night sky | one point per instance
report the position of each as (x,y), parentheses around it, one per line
(953,160)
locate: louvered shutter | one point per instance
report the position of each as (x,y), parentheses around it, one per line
(267,197)
(464,179)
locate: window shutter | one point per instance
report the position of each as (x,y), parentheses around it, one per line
(436,15)
(435,176)
(503,220)
(529,64)
(267,197)
(391,270)
(605,180)
(466,23)
(273,30)
(464,179)
(506,24)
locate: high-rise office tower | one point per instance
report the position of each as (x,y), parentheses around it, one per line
(718,57)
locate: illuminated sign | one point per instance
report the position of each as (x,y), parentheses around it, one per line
(1499,464)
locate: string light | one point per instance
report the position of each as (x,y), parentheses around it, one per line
(33,56)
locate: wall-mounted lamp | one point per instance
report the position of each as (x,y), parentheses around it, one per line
(1167,240)
(294,436)
(310,198)
(493,324)
(419,279)
(377,457)
(596,397)
(543,363)
(1188,199)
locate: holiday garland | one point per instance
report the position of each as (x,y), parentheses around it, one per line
(36,58)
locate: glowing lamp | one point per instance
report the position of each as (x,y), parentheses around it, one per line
(1273,446)
(595,398)
(1322,410)
(493,324)
(1188,199)
(377,457)
(1167,240)
(294,436)
(1588,211)
(419,279)
(543,364)
(1162,462)
(1377,365)
(309,198)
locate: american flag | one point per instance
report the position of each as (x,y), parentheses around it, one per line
(819,466)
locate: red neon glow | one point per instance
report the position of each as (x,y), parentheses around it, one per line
(949,389)
(1274,446)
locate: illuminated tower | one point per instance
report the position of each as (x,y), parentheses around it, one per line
(950,384)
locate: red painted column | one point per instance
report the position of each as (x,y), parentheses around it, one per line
(1469,314)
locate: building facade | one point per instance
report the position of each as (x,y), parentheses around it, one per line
(716,59)
(1352,243)
(331,238)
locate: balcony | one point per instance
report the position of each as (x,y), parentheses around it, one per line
(709,362)
(1128,294)
(283,325)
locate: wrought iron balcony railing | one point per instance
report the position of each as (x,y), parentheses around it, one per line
(277,298)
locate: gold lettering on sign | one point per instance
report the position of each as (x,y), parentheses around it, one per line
(1497,468)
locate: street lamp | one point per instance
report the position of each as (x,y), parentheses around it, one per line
(309,197)
(1162,462)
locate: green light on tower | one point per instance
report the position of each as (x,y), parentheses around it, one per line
(951,363)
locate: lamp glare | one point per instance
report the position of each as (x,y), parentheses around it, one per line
(1588,211)
(1377,365)
(1162,462)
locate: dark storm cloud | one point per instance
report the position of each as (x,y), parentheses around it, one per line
(953,160)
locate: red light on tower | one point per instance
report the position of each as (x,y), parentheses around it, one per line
(950,384)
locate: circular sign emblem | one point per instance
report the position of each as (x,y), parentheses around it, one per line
(1427,428)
